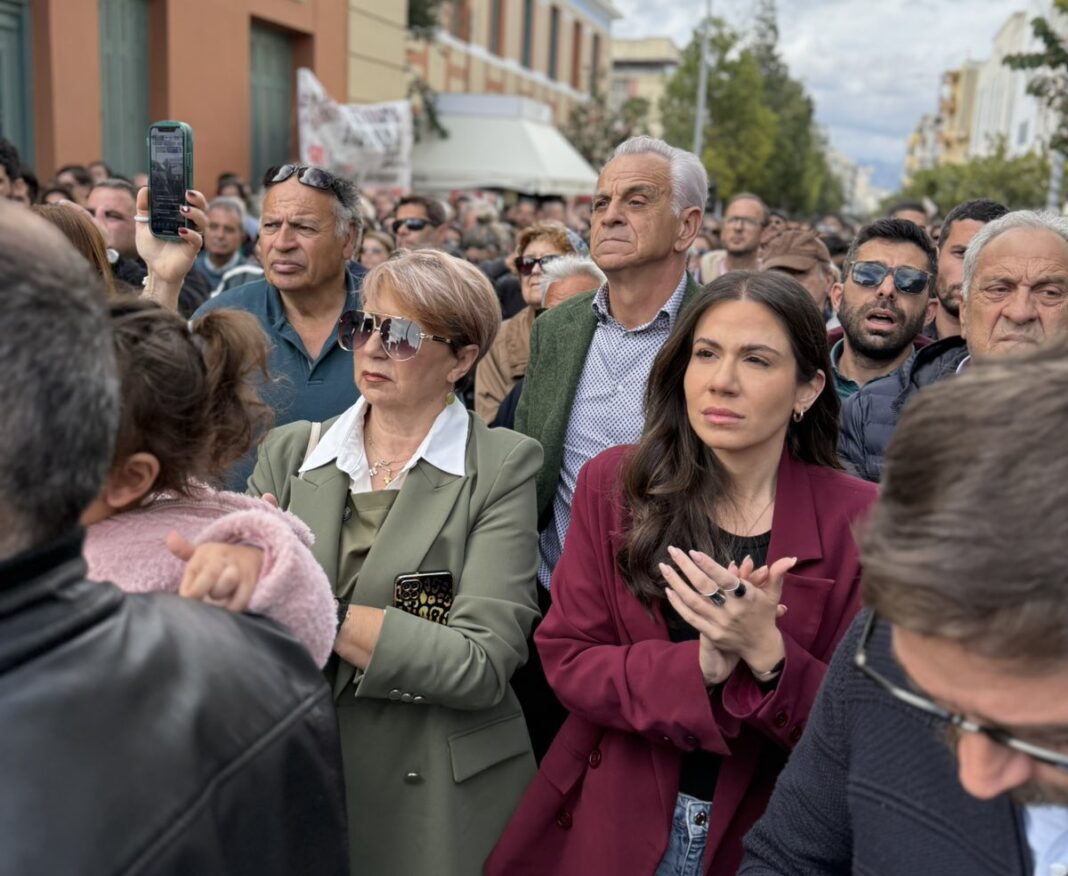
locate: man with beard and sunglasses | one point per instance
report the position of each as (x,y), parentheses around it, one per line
(416,222)
(310,226)
(960,226)
(1014,296)
(965,642)
(882,302)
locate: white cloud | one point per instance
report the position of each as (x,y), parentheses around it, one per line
(872,68)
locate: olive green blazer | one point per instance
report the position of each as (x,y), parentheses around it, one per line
(436,753)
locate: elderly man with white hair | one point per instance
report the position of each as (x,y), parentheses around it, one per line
(1014,298)
(590,357)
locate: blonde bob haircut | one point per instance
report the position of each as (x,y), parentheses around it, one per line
(447,296)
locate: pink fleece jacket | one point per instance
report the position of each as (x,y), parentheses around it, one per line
(129,549)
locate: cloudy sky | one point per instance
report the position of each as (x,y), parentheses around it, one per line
(872,68)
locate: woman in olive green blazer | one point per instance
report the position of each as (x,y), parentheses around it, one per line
(436,753)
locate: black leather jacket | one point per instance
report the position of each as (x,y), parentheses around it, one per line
(153,734)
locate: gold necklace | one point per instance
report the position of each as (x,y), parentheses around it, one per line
(382,464)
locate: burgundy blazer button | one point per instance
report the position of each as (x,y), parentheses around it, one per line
(781,719)
(595,758)
(692,740)
(563,819)
(795,734)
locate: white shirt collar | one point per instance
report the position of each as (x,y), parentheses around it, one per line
(445,447)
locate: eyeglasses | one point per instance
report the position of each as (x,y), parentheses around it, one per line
(309,176)
(741,220)
(411,224)
(401,338)
(908,281)
(1046,756)
(525,264)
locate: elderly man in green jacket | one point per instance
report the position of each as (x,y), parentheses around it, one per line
(590,357)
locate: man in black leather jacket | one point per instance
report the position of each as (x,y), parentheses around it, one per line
(140,734)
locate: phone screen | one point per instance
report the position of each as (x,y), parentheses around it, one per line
(167,183)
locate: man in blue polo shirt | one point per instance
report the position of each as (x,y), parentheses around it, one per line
(309,228)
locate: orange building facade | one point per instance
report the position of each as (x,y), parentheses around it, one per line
(101,70)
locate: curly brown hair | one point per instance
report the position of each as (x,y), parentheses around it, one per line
(190,392)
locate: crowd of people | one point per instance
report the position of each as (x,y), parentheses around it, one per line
(355,532)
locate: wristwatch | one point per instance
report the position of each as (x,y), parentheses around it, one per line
(342,612)
(774,672)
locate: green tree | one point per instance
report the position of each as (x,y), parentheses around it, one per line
(595,128)
(1018,183)
(740,128)
(1050,82)
(760,134)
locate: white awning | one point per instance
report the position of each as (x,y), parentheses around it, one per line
(499,142)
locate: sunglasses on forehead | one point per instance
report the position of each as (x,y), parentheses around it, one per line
(908,281)
(312,177)
(401,338)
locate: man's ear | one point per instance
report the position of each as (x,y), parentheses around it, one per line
(130,481)
(352,241)
(689,228)
(836,296)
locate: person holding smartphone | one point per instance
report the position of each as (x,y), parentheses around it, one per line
(425,522)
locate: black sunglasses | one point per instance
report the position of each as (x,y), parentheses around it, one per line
(411,224)
(1057,759)
(908,281)
(309,176)
(525,264)
(401,338)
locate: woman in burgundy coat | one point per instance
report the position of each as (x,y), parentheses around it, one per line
(689,674)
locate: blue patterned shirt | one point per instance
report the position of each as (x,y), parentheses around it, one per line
(608,408)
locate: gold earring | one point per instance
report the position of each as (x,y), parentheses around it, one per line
(799,415)
(450,398)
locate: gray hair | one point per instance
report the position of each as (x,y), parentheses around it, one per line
(566,267)
(1035,220)
(347,207)
(60,400)
(234,205)
(689,179)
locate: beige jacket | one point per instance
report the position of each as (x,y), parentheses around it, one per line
(504,364)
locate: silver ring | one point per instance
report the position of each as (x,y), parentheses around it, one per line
(716,597)
(737,584)
(140,218)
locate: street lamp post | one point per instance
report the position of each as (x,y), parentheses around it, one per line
(702,86)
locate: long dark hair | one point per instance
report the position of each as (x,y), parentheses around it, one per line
(673,484)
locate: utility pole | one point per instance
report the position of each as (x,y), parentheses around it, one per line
(1054,199)
(702,86)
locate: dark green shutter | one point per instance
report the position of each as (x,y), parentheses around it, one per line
(124,85)
(271,99)
(16,95)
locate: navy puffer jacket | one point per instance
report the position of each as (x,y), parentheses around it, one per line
(870,417)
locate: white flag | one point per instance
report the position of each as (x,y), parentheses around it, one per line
(369,143)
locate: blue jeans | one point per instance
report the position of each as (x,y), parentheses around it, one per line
(686,845)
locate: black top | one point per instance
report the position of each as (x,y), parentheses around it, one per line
(700,769)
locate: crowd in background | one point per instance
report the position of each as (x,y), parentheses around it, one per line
(615,534)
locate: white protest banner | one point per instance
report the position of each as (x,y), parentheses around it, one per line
(369,143)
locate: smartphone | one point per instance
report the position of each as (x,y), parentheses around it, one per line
(170,174)
(425,594)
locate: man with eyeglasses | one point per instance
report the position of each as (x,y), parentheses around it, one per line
(744,222)
(882,302)
(310,226)
(1014,295)
(416,222)
(939,741)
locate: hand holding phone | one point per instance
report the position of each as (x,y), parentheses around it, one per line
(170,175)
